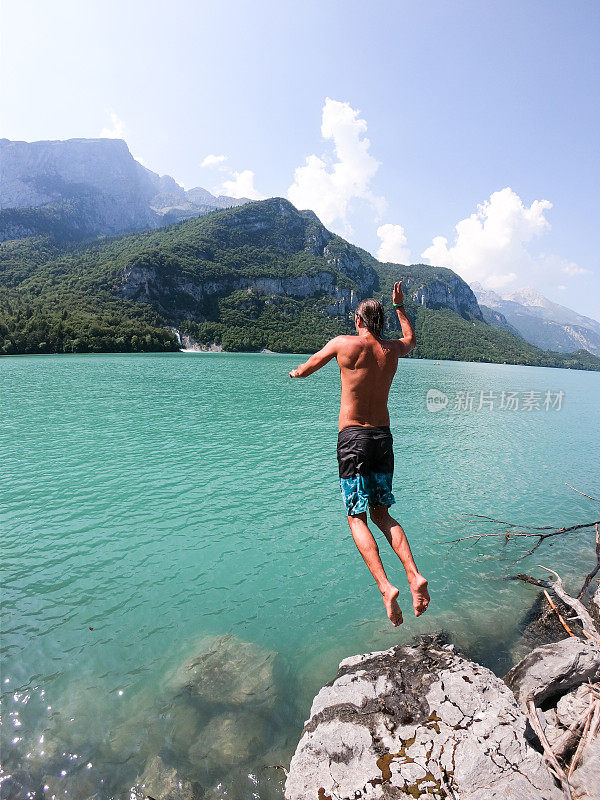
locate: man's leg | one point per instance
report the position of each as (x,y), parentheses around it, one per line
(367,547)
(394,533)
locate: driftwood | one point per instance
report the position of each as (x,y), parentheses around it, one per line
(589,628)
(587,727)
(576,604)
(590,729)
(557,612)
(569,739)
(549,757)
(596,569)
(583,493)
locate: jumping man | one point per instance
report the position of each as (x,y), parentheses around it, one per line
(368,364)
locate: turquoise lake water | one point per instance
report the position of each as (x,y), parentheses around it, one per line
(154,503)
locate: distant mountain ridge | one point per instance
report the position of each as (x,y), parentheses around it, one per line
(261,275)
(537,303)
(540,321)
(101,254)
(86,187)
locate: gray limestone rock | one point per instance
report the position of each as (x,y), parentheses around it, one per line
(573,705)
(550,671)
(400,722)
(145,284)
(454,295)
(586,778)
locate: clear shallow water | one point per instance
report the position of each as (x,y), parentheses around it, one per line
(164,499)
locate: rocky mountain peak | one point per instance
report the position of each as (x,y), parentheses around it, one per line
(528,296)
(95,183)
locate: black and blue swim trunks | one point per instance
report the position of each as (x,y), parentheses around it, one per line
(366,463)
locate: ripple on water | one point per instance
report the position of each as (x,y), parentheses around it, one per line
(154,501)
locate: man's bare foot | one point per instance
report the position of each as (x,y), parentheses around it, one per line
(420,595)
(391,606)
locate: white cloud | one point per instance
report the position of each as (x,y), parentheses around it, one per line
(490,244)
(571,269)
(117,131)
(213,161)
(561,287)
(551,266)
(328,189)
(393,244)
(241,185)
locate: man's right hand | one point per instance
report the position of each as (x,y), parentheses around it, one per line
(408,340)
(397,295)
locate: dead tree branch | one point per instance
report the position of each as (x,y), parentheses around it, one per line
(576,604)
(521,533)
(594,572)
(557,612)
(583,493)
(551,761)
(589,628)
(590,731)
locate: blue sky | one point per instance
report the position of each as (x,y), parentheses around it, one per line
(414,116)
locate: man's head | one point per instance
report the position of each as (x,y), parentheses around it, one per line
(370,313)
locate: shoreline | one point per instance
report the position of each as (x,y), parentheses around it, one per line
(216,351)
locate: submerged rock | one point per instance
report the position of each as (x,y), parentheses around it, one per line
(226,741)
(403,721)
(162,781)
(17,783)
(218,712)
(74,787)
(183,723)
(229,671)
(263,780)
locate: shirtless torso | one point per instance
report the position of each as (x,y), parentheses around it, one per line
(367,368)
(367,365)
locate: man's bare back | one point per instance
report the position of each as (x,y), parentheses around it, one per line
(367,368)
(367,365)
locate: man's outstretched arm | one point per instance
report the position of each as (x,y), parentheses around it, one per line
(409,340)
(317,361)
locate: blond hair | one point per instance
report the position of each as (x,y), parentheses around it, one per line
(371,313)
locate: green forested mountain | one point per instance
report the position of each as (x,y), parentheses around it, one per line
(262,275)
